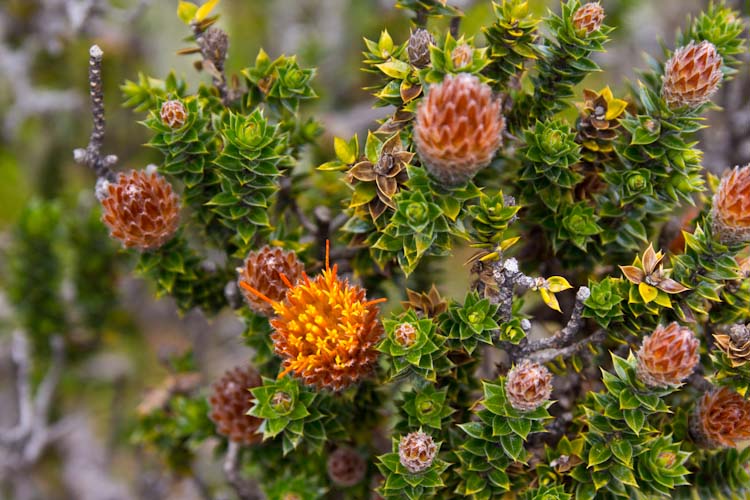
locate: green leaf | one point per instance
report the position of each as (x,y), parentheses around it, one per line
(513,446)
(598,454)
(623,450)
(521,426)
(635,420)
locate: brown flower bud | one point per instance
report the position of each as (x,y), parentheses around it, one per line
(230,403)
(419,47)
(730,213)
(141,210)
(668,356)
(173,114)
(528,386)
(722,418)
(416,451)
(692,75)
(263,270)
(458,128)
(346,467)
(588,18)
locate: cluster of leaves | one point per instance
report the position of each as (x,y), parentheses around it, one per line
(591,194)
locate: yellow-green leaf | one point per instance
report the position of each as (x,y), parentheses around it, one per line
(648,292)
(332,166)
(385,43)
(186,11)
(394,68)
(663,300)
(509,242)
(205,9)
(557,284)
(550,299)
(344,150)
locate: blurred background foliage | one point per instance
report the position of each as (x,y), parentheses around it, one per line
(44,115)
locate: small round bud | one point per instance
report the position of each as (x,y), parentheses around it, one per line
(405,335)
(346,467)
(416,451)
(462,56)
(528,386)
(692,75)
(730,213)
(588,18)
(668,356)
(173,114)
(419,47)
(281,402)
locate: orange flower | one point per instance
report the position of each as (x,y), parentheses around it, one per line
(325,329)
(731,207)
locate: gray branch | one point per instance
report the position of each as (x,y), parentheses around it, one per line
(565,336)
(92,156)
(565,352)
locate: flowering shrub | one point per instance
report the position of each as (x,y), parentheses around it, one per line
(639,390)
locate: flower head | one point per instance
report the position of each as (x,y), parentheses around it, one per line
(325,330)
(173,114)
(263,270)
(230,402)
(731,207)
(668,356)
(141,210)
(458,128)
(588,18)
(528,386)
(416,451)
(692,75)
(346,467)
(722,418)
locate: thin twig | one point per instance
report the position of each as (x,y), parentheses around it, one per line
(565,352)
(565,336)
(92,156)
(455,26)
